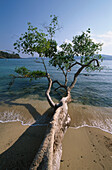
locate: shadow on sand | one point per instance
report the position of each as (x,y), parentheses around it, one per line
(21,154)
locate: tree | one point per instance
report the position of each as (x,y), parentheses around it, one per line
(86,57)
(84,48)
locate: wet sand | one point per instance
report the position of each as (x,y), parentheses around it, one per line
(83,148)
(20,143)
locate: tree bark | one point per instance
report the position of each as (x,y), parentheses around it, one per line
(50,152)
(50,101)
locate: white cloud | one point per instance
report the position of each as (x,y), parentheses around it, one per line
(59,48)
(68,41)
(106,35)
(106,39)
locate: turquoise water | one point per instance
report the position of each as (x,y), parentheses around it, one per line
(92,89)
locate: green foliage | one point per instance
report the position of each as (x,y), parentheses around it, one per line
(63,59)
(62,62)
(24,72)
(52,49)
(53,26)
(37,41)
(32,41)
(37,74)
(86,48)
(93,67)
(83,47)
(67,49)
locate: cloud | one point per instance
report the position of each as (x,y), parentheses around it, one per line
(68,41)
(106,35)
(59,48)
(106,39)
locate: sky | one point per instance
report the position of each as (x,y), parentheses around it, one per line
(74,16)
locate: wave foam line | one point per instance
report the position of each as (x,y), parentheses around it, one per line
(12,116)
(17,120)
(85,125)
(23,124)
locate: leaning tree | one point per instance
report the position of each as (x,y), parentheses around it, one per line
(81,52)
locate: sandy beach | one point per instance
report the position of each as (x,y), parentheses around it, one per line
(20,143)
(87,149)
(83,148)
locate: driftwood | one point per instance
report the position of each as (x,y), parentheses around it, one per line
(49,154)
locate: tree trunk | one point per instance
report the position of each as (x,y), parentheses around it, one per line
(50,152)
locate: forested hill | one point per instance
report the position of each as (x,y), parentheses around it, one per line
(8,55)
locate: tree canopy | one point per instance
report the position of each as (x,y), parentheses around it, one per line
(82,51)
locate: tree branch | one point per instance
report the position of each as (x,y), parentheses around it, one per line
(66,80)
(91,62)
(61,85)
(45,67)
(57,88)
(62,70)
(52,104)
(50,101)
(79,71)
(76,63)
(65,74)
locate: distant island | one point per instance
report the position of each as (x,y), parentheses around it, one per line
(15,55)
(107,57)
(8,55)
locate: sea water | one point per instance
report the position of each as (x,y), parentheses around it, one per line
(93,88)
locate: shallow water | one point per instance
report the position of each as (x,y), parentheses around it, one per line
(94,89)
(91,116)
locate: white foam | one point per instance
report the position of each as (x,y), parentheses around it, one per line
(7,121)
(24,124)
(91,126)
(12,116)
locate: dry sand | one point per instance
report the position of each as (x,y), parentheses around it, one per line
(87,149)
(83,148)
(19,145)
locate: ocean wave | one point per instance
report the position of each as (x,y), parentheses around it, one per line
(81,115)
(100,124)
(24,124)
(14,116)
(90,127)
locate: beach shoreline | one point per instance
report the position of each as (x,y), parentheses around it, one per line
(20,143)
